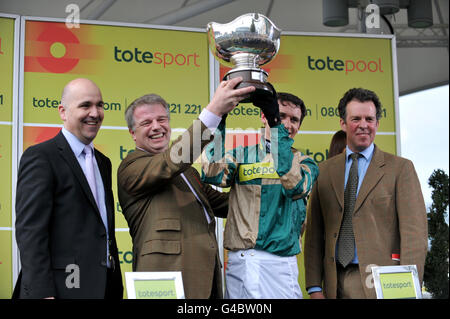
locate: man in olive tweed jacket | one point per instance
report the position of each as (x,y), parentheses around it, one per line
(170,213)
(389,217)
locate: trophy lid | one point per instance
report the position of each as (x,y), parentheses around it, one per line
(252,34)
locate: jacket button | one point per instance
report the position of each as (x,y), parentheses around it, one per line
(335,235)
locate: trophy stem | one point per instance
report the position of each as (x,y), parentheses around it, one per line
(245,60)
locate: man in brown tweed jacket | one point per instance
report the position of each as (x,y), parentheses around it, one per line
(388,220)
(169,211)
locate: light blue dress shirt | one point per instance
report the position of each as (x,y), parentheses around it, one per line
(77,147)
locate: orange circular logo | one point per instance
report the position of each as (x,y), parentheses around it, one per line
(57,40)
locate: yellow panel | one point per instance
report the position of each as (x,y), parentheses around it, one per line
(5,264)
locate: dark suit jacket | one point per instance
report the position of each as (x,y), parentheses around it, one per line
(58,224)
(389,218)
(167,224)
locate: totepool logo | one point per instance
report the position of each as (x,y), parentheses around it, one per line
(257,170)
(347,66)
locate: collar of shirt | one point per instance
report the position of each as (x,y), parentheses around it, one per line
(367,153)
(75,144)
(363,163)
(141,149)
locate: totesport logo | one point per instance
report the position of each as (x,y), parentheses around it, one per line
(50,47)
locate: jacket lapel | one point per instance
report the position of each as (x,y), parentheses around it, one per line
(67,154)
(373,175)
(105,178)
(198,187)
(338,177)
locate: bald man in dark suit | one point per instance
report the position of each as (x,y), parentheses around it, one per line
(65,215)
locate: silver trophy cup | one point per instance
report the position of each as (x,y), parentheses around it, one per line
(245,44)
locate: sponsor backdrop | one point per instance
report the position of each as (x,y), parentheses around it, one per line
(7,47)
(127,61)
(320,69)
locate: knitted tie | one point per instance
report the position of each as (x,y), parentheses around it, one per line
(346,240)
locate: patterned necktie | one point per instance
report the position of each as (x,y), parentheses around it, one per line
(90,173)
(346,240)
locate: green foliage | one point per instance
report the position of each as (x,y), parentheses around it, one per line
(436,266)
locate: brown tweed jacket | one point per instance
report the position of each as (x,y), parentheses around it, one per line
(389,218)
(168,226)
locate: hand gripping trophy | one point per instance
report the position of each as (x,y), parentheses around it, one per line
(245,44)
